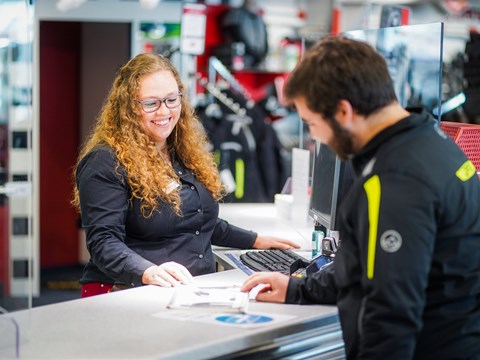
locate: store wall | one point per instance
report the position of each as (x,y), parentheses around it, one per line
(59,122)
(105,47)
(78,62)
(4,247)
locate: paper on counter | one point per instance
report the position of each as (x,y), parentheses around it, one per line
(209,299)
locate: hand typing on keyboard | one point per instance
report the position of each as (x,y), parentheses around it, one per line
(270,242)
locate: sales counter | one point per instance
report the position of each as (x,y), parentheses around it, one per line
(136,324)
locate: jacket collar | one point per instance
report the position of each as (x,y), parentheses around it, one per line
(418,117)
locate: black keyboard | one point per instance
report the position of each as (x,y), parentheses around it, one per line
(272,260)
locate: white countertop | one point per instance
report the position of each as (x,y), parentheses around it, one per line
(126,325)
(135,323)
(262,218)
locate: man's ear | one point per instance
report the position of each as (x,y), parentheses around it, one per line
(345,113)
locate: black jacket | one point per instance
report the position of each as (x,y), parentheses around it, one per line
(407,274)
(123,244)
(248,147)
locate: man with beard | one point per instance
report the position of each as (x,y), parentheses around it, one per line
(406,277)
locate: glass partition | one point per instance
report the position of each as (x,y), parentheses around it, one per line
(18,253)
(414,57)
(413,54)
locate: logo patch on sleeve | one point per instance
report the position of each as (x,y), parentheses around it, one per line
(391,241)
(466,171)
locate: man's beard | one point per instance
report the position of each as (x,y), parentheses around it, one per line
(342,141)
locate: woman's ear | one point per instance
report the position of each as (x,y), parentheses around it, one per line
(344,114)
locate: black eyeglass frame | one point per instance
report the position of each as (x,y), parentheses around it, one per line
(160,101)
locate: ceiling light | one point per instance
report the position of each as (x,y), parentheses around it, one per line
(149,4)
(66,5)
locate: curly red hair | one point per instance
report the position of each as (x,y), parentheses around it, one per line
(119,127)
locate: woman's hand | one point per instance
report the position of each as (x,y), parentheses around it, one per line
(167,274)
(270,242)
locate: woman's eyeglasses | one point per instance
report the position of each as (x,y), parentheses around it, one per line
(153,105)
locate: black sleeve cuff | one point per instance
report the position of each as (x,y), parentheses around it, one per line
(318,288)
(293,291)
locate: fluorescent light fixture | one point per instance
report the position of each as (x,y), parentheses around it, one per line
(4,42)
(66,5)
(451,104)
(149,4)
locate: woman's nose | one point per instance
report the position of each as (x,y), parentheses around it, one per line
(163,109)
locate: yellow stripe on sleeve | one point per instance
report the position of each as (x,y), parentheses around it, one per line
(239,178)
(373,189)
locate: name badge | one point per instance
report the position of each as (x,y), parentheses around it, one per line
(172,186)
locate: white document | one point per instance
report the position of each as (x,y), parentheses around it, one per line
(209,299)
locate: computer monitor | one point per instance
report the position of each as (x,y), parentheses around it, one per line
(331,180)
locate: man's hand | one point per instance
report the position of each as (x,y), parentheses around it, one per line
(167,274)
(275,289)
(270,242)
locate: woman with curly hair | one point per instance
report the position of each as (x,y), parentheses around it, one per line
(147,187)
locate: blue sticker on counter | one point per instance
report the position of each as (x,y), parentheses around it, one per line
(244,319)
